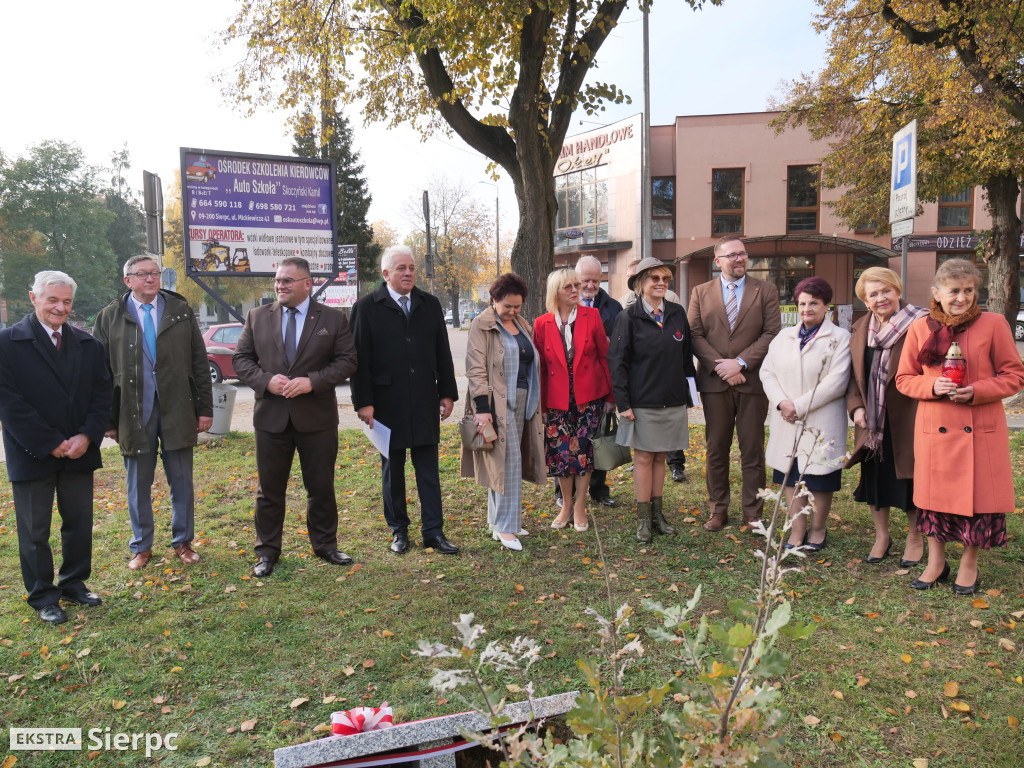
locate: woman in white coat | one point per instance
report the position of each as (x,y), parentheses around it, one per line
(805,376)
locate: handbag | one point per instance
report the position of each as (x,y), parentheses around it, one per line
(472,440)
(608,454)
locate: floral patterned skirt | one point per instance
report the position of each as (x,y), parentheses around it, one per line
(985,531)
(568,438)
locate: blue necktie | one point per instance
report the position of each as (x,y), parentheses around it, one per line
(149,329)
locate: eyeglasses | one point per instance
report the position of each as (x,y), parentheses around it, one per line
(286,281)
(660,279)
(733,256)
(143,275)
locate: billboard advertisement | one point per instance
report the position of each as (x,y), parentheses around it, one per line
(343,293)
(243,213)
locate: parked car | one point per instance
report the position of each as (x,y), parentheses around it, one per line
(1018,327)
(220,345)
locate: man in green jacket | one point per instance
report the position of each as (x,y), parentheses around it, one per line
(162,392)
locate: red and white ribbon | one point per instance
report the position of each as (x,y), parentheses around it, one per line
(361,719)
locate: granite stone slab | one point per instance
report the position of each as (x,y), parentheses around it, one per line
(416,734)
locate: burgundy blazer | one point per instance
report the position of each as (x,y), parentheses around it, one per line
(591,380)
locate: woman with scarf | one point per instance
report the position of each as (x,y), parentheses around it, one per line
(574,387)
(882,415)
(805,376)
(963,483)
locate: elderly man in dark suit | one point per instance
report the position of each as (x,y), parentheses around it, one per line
(293,353)
(733,319)
(158,360)
(405,378)
(55,397)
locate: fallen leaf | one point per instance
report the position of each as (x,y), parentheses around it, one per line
(951,689)
(993,592)
(83,653)
(837,694)
(248,725)
(836,736)
(906,658)
(920,762)
(118,703)
(960,706)
(203,761)
(296,703)
(513,688)
(945,712)
(328,699)
(1013,722)
(977,624)
(231,729)
(979,603)
(862,681)
(229,589)
(1007,645)
(387,633)
(160,700)
(811,720)
(14,678)
(910,694)
(851,601)
(520,588)
(349,671)
(9,762)
(368,663)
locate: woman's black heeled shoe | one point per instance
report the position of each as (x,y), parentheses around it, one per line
(958,590)
(809,547)
(909,563)
(875,560)
(918,584)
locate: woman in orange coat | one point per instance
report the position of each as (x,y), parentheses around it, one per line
(574,384)
(963,483)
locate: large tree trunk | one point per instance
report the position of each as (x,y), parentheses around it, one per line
(533,253)
(1003,251)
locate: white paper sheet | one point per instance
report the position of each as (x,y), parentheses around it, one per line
(694,394)
(380,436)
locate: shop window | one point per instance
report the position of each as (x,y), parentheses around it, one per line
(582,207)
(802,198)
(663,208)
(955,210)
(727,201)
(784,272)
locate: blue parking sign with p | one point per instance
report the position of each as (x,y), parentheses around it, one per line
(902,162)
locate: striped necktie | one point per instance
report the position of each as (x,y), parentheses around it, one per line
(732,307)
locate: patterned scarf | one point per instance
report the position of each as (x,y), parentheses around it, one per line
(943,327)
(566,330)
(883,338)
(806,334)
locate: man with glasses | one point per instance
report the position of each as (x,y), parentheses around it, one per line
(162,395)
(293,353)
(733,320)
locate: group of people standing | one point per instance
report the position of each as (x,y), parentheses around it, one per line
(931,446)
(930,443)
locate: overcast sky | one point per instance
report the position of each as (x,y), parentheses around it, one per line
(111,72)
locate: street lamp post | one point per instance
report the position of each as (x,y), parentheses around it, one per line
(497,228)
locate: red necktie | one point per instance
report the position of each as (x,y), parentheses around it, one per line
(56,340)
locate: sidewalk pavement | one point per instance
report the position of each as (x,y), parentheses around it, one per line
(241,417)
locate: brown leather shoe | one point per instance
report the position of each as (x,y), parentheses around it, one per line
(139,560)
(716,523)
(187,554)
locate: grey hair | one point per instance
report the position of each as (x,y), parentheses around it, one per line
(53,277)
(135,260)
(587,259)
(388,258)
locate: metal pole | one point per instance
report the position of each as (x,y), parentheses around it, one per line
(645,207)
(903,262)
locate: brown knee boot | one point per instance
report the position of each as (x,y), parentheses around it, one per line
(658,521)
(643,518)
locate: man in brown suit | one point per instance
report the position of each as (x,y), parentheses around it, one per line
(733,320)
(293,353)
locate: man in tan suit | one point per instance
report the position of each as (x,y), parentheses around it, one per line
(293,353)
(733,320)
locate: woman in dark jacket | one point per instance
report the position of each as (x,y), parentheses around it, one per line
(651,358)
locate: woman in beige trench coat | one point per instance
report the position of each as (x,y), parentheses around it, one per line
(504,390)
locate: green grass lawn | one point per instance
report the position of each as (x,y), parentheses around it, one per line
(200,651)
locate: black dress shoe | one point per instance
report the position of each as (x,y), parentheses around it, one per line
(874,560)
(810,546)
(335,556)
(909,563)
(918,584)
(958,590)
(678,474)
(442,545)
(82,596)
(607,501)
(400,543)
(264,567)
(53,614)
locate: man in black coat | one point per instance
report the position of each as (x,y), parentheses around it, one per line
(404,379)
(55,396)
(588,269)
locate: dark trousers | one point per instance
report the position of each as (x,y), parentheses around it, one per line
(318,452)
(746,412)
(428,486)
(33,510)
(676,459)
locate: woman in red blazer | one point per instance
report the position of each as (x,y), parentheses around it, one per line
(574,385)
